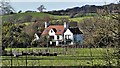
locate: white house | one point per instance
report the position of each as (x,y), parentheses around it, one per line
(61,34)
(73,35)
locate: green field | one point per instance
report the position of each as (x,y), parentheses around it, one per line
(78,19)
(42,15)
(33,14)
(71,57)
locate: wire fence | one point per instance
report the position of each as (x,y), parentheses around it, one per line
(65,56)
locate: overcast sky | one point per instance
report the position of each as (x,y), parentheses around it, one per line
(54,4)
(64,1)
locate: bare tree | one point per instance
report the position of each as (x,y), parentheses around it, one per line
(41,8)
(5,7)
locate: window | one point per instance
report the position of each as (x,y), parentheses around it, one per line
(65,36)
(59,30)
(69,36)
(51,31)
(68,39)
(57,36)
(51,38)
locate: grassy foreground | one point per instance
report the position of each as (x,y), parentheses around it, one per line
(71,57)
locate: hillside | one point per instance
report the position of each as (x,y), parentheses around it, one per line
(32,16)
(113,8)
(29,16)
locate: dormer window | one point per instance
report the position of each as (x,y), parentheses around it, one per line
(51,31)
(59,30)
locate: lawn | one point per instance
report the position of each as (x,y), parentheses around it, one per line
(70,51)
(71,57)
(58,62)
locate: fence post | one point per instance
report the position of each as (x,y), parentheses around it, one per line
(91,55)
(26,57)
(11,57)
(11,54)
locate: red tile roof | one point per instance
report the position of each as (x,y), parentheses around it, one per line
(59,29)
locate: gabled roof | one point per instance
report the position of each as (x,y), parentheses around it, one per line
(75,30)
(58,29)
